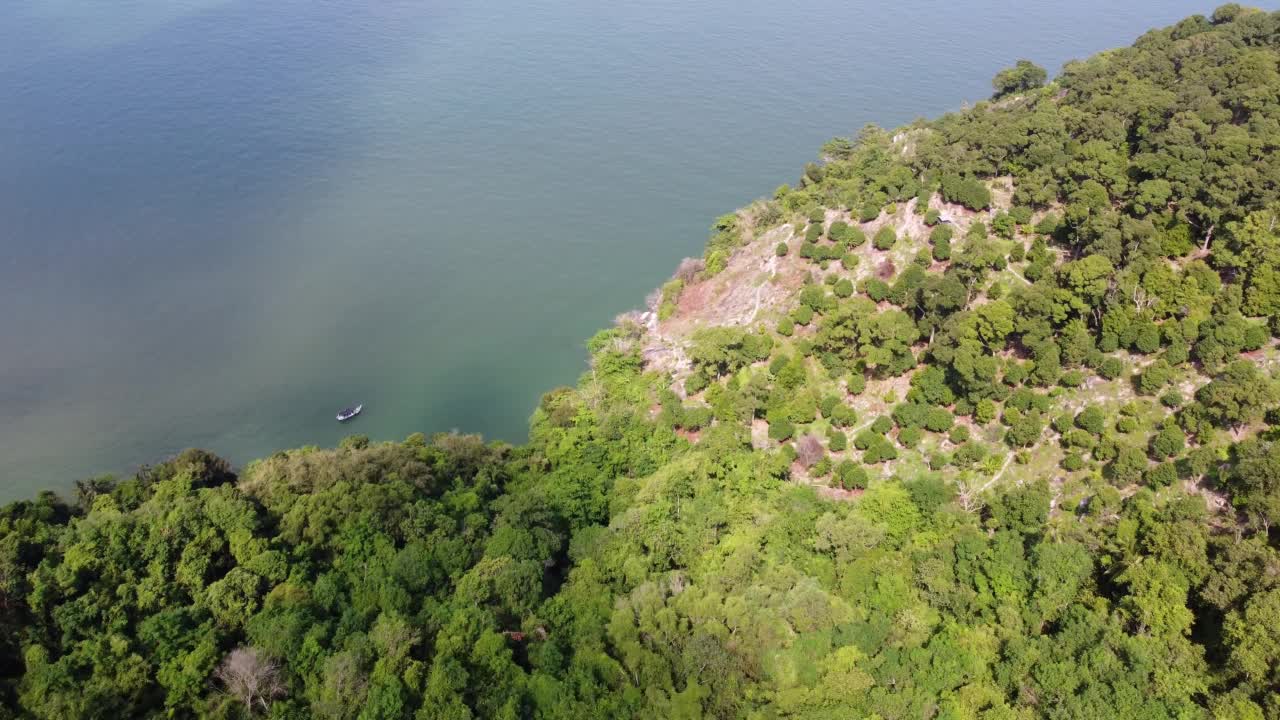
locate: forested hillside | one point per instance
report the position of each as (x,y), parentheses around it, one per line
(975,421)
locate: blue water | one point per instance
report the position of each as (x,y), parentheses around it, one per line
(222,220)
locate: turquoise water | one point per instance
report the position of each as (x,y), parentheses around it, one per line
(223,220)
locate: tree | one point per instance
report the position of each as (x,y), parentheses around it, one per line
(1255,481)
(1239,396)
(1253,635)
(1023,76)
(809,450)
(1167,443)
(251,677)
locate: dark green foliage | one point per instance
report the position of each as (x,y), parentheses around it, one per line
(781,249)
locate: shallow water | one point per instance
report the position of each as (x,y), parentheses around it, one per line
(223,220)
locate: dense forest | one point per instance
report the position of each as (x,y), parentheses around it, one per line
(975,421)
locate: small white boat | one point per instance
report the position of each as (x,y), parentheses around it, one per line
(349,413)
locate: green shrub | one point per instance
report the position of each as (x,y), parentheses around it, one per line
(1004,226)
(876,289)
(885,238)
(843,288)
(942,250)
(1092,420)
(843,416)
(1146,337)
(802,315)
(849,261)
(1162,475)
(822,468)
(958,434)
(817,215)
(910,437)
(970,192)
(1112,368)
(777,364)
(855,238)
(869,212)
(931,217)
(837,441)
(879,451)
(1071,379)
(1072,462)
(1169,442)
(857,383)
(696,383)
(984,412)
(786,328)
(1047,225)
(1171,399)
(781,250)
(781,430)
(881,425)
(838,232)
(1156,376)
(1126,425)
(813,233)
(696,418)
(938,419)
(850,476)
